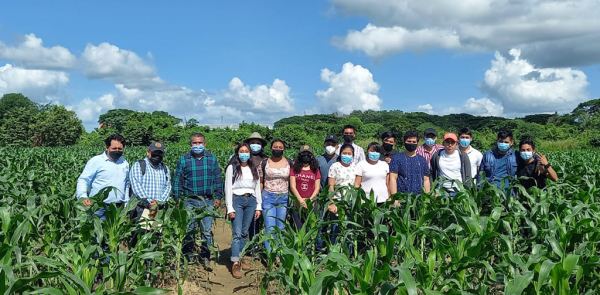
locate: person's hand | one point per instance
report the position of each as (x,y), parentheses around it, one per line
(152,203)
(256,214)
(87,202)
(303,203)
(231,215)
(217,203)
(397,204)
(332,208)
(542,159)
(388,160)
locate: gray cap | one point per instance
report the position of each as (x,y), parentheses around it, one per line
(156,146)
(305,148)
(332,138)
(430,131)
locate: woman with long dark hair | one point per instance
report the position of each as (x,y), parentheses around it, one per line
(243,200)
(305,182)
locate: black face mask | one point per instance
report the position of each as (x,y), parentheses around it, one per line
(277,153)
(305,159)
(387,147)
(348,138)
(411,147)
(115,155)
(156,159)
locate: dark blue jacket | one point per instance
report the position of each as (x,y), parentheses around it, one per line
(488,164)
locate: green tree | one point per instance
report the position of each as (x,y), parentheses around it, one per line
(15,127)
(116,119)
(15,100)
(56,126)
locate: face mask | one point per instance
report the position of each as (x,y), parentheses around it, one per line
(464,142)
(429,141)
(387,147)
(305,159)
(411,147)
(115,155)
(330,150)
(277,153)
(502,146)
(155,159)
(374,156)
(197,149)
(347,159)
(348,138)
(244,157)
(255,148)
(526,155)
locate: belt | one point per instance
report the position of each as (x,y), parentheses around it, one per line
(246,195)
(207,197)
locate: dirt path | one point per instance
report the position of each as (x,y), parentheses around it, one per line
(220,281)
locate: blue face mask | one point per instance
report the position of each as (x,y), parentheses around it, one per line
(255,148)
(503,146)
(464,142)
(374,156)
(526,155)
(347,159)
(197,149)
(244,157)
(429,141)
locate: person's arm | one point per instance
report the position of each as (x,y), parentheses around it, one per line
(229,191)
(178,178)
(295,192)
(85,179)
(358,176)
(135,176)
(392,182)
(167,189)
(331,182)
(387,183)
(317,189)
(258,195)
(550,173)
(217,184)
(426,184)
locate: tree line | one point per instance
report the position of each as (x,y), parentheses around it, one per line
(24,123)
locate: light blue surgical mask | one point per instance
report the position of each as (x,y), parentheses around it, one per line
(503,146)
(255,148)
(526,155)
(464,142)
(244,157)
(347,159)
(374,156)
(429,141)
(197,149)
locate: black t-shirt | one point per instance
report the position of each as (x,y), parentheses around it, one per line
(529,170)
(390,155)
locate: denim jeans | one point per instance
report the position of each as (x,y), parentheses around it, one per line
(274,211)
(205,227)
(245,208)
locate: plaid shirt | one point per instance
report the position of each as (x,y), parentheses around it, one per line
(155,184)
(427,155)
(198,176)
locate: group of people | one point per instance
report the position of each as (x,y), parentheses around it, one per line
(256,184)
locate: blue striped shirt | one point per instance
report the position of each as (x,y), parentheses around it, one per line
(101,172)
(155,184)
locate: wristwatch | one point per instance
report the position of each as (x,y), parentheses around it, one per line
(547,165)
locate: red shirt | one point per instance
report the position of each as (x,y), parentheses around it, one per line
(305,181)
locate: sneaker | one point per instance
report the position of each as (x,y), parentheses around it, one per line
(236,272)
(208,265)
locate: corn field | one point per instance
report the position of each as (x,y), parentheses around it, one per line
(477,242)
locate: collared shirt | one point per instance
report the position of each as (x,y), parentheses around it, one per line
(359,153)
(427,154)
(101,172)
(198,176)
(155,184)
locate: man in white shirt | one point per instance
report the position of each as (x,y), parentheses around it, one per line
(451,164)
(349,133)
(465,137)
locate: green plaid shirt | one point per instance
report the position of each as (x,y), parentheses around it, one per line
(198,176)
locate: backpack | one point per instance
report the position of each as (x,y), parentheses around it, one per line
(143,170)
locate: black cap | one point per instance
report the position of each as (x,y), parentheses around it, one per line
(156,146)
(332,138)
(430,131)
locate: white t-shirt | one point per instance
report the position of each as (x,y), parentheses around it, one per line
(475,157)
(450,168)
(374,179)
(344,176)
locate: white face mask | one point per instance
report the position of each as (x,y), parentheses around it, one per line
(330,150)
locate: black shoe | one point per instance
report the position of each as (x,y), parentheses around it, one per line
(208,266)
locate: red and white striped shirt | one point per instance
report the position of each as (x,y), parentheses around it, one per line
(427,154)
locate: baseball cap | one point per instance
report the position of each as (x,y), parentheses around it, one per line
(332,138)
(305,148)
(156,146)
(450,136)
(430,131)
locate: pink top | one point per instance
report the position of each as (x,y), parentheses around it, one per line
(277,179)
(427,155)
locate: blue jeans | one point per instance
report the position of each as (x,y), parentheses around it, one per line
(274,210)
(205,227)
(244,214)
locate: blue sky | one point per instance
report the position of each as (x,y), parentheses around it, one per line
(293,56)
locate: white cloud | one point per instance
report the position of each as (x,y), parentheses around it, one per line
(426,108)
(107,61)
(351,89)
(89,110)
(523,88)
(32,54)
(379,42)
(261,99)
(41,86)
(551,33)
(477,107)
